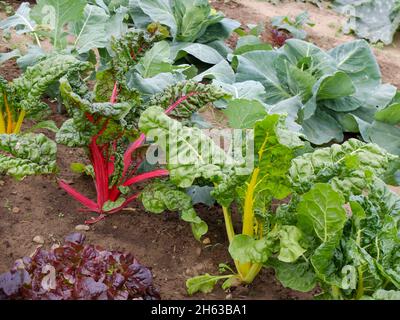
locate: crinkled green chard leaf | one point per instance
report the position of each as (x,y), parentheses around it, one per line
(378,231)
(78,130)
(386,295)
(162,195)
(205,283)
(245,249)
(282,240)
(112,205)
(28,154)
(72,136)
(290,248)
(348,167)
(321,211)
(274,149)
(46,124)
(358,252)
(278,145)
(197,94)
(298,276)
(190,154)
(133,48)
(29,88)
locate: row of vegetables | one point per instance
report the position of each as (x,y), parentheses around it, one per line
(318,213)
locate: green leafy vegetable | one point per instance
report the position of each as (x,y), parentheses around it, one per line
(56,14)
(340,90)
(348,167)
(295,26)
(372,20)
(27,154)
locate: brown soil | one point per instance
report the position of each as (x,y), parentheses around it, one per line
(163,242)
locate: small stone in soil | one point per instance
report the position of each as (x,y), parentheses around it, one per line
(228,297)
(82,227)
(2,183)
(115,227)
(198,267)
(206,241)
(38,239)
(16,210)
(198,251)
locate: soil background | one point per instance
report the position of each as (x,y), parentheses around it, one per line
(161,242)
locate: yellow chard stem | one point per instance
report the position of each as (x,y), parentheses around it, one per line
(231,234)
(2,119)
(21,118)
(248,214)
(250,270)
(253,272)
(9,115)
(228,224)
(2,123)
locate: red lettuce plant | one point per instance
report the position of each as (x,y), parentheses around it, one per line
(76,271)
(279,37)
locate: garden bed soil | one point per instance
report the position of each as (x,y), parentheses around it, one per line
(36,206)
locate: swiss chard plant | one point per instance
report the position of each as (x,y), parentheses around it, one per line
(349,224)
(21,98)
(24,154)
(251,189)
(109,132)
(301,239)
